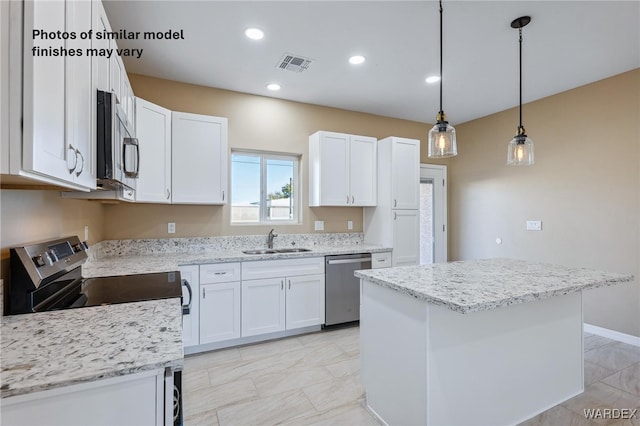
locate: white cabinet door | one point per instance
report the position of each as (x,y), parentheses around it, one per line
(263,306)
(219,312)
(45,149)
(116,72)
(362,170)
(191,321)
(405,174)
(334,174)
(79,96)
(406,237)
(100,64)
(304,301)
(153,124)
(132,399)
(329,169)
(199,159)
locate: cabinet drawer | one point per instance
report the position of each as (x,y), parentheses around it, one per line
(282,268)
(381,260)
(219,273)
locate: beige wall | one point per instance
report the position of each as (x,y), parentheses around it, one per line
(34,215)
(255,122)
(585,187)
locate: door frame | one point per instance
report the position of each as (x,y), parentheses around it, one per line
(438,173)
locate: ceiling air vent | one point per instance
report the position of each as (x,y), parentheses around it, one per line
(295,63)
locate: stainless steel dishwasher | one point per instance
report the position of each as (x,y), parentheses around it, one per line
(342,288)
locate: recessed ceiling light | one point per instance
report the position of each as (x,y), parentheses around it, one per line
(273,86)
(432,79)
(356,60)
(254,33)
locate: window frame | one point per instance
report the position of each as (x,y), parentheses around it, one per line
(295,199)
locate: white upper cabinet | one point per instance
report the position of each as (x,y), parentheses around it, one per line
(153,129)
(199,159)
(405,173)
(57,140)
(342,170)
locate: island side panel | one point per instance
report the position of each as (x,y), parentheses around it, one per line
(393,342)
(505,365)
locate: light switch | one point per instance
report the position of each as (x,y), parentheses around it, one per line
(534,225)
(171,227)
(319,225)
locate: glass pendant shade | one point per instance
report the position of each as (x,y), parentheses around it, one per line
(520,151)
(442,141)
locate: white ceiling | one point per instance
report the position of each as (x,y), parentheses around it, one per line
(567,44)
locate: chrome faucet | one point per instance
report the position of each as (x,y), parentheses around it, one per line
(270,238)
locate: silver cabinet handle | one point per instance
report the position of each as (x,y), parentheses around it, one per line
(168,194)
(347,198)
(75,157)
(289,284)
(395,215)
(204,294)
(282,285)
(219,273)
(79,172)
(395,202)
(223,195)
(353,200)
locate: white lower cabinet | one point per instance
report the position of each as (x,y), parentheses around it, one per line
(304,301)
(219,312)
(263,306)
(191,321)
(219,302)
(134,399)
(282,295)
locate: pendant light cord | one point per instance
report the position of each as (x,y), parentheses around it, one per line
(520,127)
(441,112)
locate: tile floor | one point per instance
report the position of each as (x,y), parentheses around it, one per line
(314,380)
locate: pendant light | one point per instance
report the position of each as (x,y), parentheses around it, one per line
(442,137)
(520,149)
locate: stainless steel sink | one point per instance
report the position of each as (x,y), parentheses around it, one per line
(292,250)
(260,251)
(275,251)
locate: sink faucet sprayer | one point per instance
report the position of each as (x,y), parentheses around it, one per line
(270,238)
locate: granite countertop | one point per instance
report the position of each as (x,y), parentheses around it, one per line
(48,350)
(165,262)
(481,285)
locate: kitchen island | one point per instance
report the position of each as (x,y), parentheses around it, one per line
(88,362)
(483,342)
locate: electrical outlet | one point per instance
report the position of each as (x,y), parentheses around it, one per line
(171,227)
(86,233)
(534,225)
(349,224)
(319,225)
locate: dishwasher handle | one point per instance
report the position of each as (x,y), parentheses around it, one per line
(343,261)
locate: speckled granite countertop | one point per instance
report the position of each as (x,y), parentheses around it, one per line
(53,349)
(121,260)
(481,285)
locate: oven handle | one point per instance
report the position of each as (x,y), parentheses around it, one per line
(186,308)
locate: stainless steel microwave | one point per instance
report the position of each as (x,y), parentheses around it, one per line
(118,152)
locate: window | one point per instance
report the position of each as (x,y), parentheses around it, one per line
(264,188)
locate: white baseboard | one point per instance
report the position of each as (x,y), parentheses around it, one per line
(611,334)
